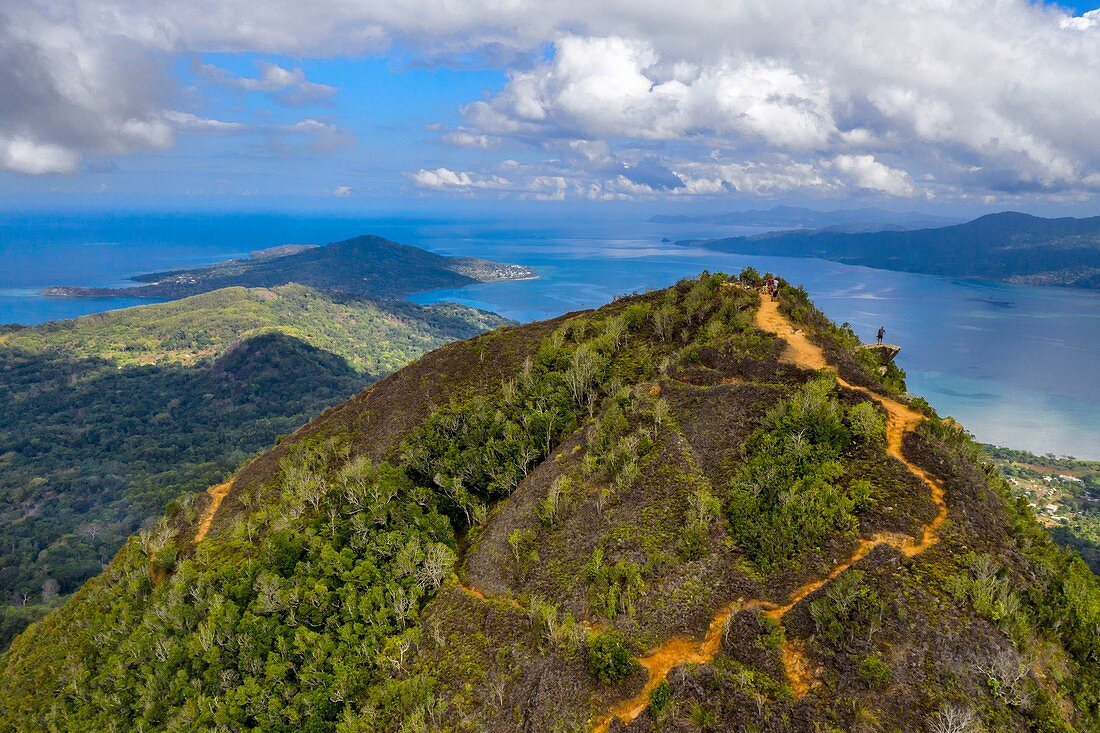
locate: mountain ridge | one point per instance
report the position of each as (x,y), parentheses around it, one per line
(795,217)
(1008,246)
(493,536)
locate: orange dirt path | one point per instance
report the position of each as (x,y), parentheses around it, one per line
(217,494)
(483,596)
(901,419)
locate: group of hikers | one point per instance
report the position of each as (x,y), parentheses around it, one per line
(771,286)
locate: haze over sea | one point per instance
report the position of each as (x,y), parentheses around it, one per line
(1017,365)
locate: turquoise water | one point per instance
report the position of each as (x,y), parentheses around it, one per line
(1017,365)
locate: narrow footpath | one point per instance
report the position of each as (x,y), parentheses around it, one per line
(901,419)
(217,494)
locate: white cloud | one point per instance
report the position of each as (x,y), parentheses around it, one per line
(188,121)
(871,175)
(527,186)
(288,87)
(617,87)
(341,192)
(442,179)
(464,139)
(1084,21)
(27,156)
(983,96)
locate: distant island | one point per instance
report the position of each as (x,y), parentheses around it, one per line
(1008,246)
(796,217)
(363,266)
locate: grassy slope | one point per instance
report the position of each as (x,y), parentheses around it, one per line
(104,419)
(603,461)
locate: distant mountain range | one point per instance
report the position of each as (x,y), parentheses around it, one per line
(1008,246)
(794,217)
(363,266)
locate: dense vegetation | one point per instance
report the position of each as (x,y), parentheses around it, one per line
(489,539)
(791,493)
(364,266)
(1005,246)
(374,337)
(322,581)
(105,419)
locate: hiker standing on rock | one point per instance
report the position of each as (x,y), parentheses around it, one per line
(881,333)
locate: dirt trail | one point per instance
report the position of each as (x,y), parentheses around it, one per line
(483,596)
(901,419)
(217,494)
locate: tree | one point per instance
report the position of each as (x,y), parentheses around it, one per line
(953,719)
(582,371)
(50,589)
(437,564)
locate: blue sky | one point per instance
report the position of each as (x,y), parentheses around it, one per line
(540,106)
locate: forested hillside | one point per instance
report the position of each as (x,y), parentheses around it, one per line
(686,511)
(107,418)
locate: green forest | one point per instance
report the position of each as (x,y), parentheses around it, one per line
(106,419)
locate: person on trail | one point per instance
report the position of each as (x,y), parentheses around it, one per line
(881,333)
(773,288)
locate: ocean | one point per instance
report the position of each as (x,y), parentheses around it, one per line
(1017,365)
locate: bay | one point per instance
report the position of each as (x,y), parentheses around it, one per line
(1017,365)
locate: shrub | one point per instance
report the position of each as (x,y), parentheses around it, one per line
(166,557)
(703,509)
(751,276)
(608,658)
(282,551)
(874,671)
(522,542)
(867,424)
(553,507)
(788,496)
(847,607)
(612,589)
(660,697)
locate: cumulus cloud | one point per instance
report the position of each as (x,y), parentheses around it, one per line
(651,173)
(869,174)
(1083,22)
(617,87)
(987,96)
(341,192)
(530,186)
(442,179)
(22,155)
(65,93)
(288,87)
